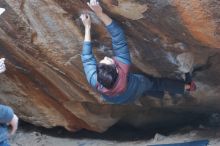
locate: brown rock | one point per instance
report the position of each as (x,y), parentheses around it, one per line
(44,81)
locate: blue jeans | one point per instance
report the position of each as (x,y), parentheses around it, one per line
(4,143)
(173,86)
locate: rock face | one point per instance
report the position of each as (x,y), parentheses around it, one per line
(45,84)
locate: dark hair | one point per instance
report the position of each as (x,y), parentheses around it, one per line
(107,75)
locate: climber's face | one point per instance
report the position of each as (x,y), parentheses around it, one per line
(107,60)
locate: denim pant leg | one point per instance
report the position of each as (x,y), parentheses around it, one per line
(173,86)
(144,85)
(4,143)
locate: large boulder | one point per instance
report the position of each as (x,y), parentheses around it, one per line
(45,83)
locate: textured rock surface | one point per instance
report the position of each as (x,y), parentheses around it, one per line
(45,83)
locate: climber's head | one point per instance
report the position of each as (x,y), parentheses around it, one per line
(107,73)
(2,10)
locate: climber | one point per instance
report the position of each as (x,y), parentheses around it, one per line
(7,116)
(110,77)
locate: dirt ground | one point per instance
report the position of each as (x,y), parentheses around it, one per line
(36,138)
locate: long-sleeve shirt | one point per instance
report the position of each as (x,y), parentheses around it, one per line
(125,87)
(6,115)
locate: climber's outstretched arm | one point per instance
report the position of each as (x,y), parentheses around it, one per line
(95,6)
(119,43)
(88,59)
